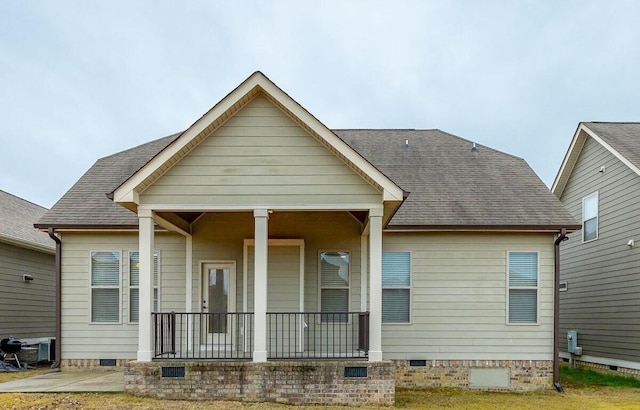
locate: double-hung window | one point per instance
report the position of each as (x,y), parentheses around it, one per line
(334,285)
(396,287)
(523,287)
(134,284)
(590,218)
(105,286)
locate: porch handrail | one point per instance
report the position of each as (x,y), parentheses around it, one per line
(290,335)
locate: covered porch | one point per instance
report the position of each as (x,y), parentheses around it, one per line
(310,298)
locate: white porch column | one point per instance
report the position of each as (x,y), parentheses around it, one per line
(375,285)
(364,262)
(145,329)
(260,284)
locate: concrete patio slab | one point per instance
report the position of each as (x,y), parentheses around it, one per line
(68,381)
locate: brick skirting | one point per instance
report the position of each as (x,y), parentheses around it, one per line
(519,375)
(321,382)
(91,364)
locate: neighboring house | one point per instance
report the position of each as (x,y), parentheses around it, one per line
(599,183)
(27,271)
(278,241)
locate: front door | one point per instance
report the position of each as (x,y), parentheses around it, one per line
(218,299)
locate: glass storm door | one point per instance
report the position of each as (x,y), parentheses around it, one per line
(218,291)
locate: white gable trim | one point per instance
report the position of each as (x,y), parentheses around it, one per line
(256,83)
(570,159)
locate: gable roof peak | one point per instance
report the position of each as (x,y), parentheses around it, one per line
(257,83)
(621,139)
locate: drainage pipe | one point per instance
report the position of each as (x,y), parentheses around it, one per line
(556,309)
(52,235)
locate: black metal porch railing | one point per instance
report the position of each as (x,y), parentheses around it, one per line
(290,335)
(316,335)
(203,335)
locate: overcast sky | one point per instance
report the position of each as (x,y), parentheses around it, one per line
(80,80)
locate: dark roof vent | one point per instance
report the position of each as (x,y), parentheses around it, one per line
(474,149)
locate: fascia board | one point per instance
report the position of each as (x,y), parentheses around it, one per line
(574,151)
(27,245)
(127,191)
(392,192)
(577,142)
(613,151)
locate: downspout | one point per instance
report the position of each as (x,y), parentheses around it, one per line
(52,235)
(556,310)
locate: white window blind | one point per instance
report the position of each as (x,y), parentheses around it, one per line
(134,284)
(396,287)
(590,217)
(523,287)
(105,286)
(334,285)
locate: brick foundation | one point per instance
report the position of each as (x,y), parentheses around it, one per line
(322,382)
(90,364)
(524,375)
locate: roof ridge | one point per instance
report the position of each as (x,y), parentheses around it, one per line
(24,200)
(482,145)
(610,122)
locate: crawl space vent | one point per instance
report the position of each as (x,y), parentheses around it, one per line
(355,372)
(173,371)
(417,363)
(107,362)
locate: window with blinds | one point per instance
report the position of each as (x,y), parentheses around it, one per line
(396,287)
(134,284)
(105,287)
(334,286)
(523,287)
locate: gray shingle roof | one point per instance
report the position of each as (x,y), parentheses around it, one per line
(452,186)
(86,203)
(17,217)
(624,137)
(449,185)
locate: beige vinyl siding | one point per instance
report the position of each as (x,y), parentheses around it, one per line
(26,308)
(602,302)
(80,338)
(459,298)
(220,237)
(260,157)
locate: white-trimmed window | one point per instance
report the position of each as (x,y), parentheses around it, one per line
(396,287)
(105,286)
(335,269)
(523,288)
(134,284)
(590,218)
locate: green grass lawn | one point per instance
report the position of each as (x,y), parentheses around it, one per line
(578,377)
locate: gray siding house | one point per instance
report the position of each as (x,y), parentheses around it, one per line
(599,183)
(26,306)
(259,250)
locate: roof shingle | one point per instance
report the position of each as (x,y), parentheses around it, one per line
(449,185)
(17,217)
(624,137)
